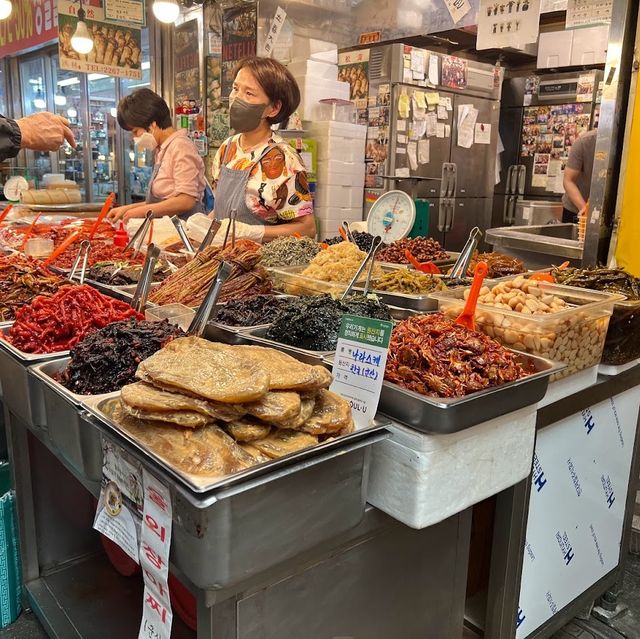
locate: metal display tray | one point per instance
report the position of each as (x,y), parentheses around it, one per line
(68,430)
(453,256)
(234,335)
(96,406)
(437,416)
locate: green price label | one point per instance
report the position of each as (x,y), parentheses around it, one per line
(365,330)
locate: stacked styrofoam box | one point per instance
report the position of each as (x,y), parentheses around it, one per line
(422,479)
(339,174)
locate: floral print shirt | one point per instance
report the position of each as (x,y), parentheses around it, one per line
(278,189)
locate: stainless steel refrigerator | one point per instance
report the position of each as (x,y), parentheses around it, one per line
(540,118)
(456,181)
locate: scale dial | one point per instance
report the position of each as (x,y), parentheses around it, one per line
(14,186)
(392,216)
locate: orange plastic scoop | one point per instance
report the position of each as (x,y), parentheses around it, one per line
(105,209)
(467,317)
(424,267)
(68,241)
(297,236)
(343,234)
(5,212)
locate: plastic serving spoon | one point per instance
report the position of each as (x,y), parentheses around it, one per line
(5,212)
(67,242)
(467,317)
(105,209)
(424,267)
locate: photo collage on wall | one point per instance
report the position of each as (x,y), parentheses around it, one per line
(548,132)
(377,149)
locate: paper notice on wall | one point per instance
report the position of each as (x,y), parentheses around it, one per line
(418,61)
(401,125)
(447,130)
(586,87)
(433,99)
(445,101)
(403,172)
(512,24)
(548,6)
(555,167)
(440,128)
(418,129)
(403,106)
(458,9)
(401,139)
(434,74)
(423,152)
(482,134)
(419,99)
(412,152)
(582,13)
(407,76)
(432,124)
(401,150)
(467,116)
(442,113)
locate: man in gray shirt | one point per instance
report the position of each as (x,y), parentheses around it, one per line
(577,176)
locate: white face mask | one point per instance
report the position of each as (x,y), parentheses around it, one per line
(146,141)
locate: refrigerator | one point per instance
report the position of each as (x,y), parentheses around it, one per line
(456,164)
(540,118)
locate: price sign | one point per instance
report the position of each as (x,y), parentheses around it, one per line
(358,368)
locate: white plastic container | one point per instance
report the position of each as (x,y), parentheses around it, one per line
(315,69)
(334,172)
(334,213)
(306,48)
(338,196)
(422,479)
(313,90)
(337,129)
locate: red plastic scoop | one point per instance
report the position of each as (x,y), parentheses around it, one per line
(105,209)
(467,317)
(424,267)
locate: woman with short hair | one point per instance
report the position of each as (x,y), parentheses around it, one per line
(255,173)
(177,183)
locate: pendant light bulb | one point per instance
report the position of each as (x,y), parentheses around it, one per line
(81,40)
(166,11)
(6,7)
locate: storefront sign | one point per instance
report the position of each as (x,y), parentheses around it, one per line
(117,46)
(587,13)
(132,11)
(511,24)
(186,64)
(239,35)
(32,22)
(579,487)
(371,37)
(358,369)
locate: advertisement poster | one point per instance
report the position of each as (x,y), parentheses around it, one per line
(186,64)
(510,24)
(239,35)
(354,69)
(454,72)
(30,24)
(579,485)
(587,13)
(116,45)
(132,11)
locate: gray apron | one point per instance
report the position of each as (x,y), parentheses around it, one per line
(152,199)
(231,193)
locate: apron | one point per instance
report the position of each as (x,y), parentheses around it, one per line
(152,199)
(231,193)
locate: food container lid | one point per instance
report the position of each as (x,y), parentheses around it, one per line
(38,247)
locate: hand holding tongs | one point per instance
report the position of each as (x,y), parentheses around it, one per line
(369,259)
(199,322)
(208,238)
(139,234)
(345,232)
(177,222)
(231,227)
(461,265)
(83,254)
(146,276)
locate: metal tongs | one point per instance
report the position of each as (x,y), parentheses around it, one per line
(232,228)
(146,277)
(140,234)
(461,265)
(83,254)
(369,259)
(208,238)
(199,322)
(177,222)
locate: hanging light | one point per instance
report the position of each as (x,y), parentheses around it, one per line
(166,10)
(39,101)
(60,100)
(72,113)
(113,111)
(81,40)
(5,9)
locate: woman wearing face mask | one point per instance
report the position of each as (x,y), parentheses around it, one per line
(255,173)
(177,182)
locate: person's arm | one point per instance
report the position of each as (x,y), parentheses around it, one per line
(570,183)
(305,225)
(174,205)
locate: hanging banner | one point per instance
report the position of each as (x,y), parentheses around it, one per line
(186,65)
(239,36)
(117,46)
(31,23)
(354,69)
(512,24)
(588,13)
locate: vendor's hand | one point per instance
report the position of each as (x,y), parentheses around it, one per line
(45,132)
(117,213)
(253,232)
(134,213)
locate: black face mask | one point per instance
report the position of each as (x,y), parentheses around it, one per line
(245,117)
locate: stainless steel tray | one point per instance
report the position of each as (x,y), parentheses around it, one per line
(437,415)
(217,332)
(78,444)
(257,335)
(453,256)
(98,407)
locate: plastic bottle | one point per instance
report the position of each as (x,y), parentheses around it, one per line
(121,238)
